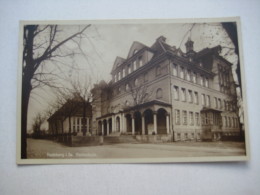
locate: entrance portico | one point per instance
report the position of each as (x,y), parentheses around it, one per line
(150,118)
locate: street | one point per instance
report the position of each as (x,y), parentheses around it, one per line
(42,149)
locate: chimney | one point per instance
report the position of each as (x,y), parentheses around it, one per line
(189,45)
(161,39)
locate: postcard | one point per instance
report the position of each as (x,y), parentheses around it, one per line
(131,91)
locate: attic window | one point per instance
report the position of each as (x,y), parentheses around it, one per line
(135,51)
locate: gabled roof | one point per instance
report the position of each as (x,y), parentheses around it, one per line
(118,62)
(135,46)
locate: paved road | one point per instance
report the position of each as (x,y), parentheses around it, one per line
(51,149)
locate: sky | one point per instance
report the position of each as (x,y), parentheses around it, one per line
(102,43)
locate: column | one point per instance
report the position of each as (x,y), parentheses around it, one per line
(143,125)
(123,124)
(167,123)
(102,125)
(113,124)
(80,130)
(155,122)
(133,125)
(87,124)
(107,127)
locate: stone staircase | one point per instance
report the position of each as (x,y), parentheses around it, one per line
(119,139)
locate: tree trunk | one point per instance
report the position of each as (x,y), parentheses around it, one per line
(25,102)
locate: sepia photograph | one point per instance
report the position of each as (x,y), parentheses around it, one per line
(131,91)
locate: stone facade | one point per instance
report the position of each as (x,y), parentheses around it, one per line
(160,90)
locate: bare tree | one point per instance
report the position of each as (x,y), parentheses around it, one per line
(41,44)
(37,123)
(83,89)
(139,93)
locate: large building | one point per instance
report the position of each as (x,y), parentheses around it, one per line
(161,90)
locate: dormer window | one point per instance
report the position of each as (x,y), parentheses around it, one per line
(134,65)
(123,73)
(140,61)
(119,75)
(129,69)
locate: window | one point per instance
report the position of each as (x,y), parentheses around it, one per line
(184,114)
(175,70)
(191,118)
(140,61)
(129,69)
(158,71)
(176,92)
(194,78)
(119,90)
(183,94)
(206,82)
(226,122)
(123,73)
(201,80)
(216,102)
(177,117)
(74,124)
(126,103)
(219,104)
(127,87)
(188,75)
(78,124)
(115,78)
(119,75)
(190,96)
(134,65)
(136,82)
(196,98)
(159,93)
(208,101)
(135,51)
(197,119)
(182,73)
(203,99)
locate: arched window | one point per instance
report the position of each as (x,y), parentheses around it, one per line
(159,93)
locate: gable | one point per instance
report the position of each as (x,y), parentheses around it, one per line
(118,62)
(136,46)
